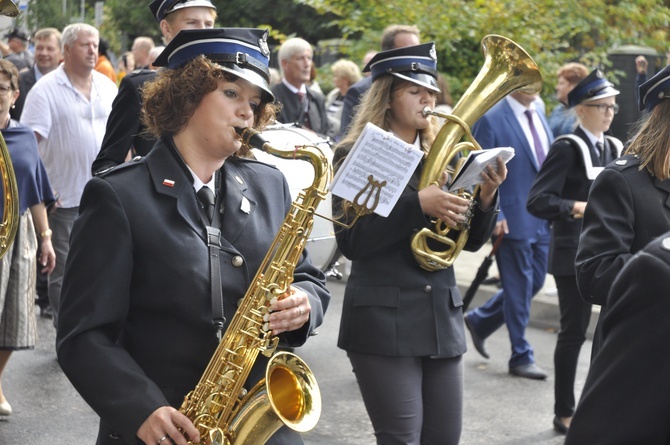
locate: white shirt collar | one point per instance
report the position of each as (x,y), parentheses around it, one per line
(592,137)
(294,90)
(518,108)
(198,184)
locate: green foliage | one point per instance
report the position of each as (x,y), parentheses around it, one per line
(553,32)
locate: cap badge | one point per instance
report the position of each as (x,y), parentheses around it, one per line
(433,53)
(263,44)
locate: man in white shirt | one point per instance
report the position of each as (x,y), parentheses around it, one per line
(68,109)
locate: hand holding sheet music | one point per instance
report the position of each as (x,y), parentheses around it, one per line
(383,156)
(476,162)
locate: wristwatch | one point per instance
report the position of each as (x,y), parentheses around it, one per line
(46,234)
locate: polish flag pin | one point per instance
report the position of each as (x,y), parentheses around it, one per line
(168,182)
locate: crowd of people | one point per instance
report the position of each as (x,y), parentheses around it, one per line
(121,169)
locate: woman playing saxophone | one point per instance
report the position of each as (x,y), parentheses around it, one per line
(140,318)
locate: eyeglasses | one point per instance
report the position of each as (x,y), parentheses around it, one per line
(604,108)
(4,90)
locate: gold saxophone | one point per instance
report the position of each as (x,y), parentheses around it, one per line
(10,211)
(289,395)
(507,68)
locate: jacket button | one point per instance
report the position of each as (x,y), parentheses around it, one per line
(237,261)
(428,288)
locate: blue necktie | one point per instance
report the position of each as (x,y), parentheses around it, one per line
(537,142)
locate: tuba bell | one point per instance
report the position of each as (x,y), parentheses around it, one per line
(10,210)
(507,68)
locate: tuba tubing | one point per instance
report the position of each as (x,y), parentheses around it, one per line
(507,68)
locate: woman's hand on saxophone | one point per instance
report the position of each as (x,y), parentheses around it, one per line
(290,312)
(165,424)
(493,177)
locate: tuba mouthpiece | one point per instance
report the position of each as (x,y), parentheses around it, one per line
(426,112)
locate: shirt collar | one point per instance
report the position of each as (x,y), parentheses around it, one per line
(592,137)
(198,184)
(294,90)
(518,107)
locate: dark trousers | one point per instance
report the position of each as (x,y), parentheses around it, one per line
(523,267)
(411,400)
(575,317)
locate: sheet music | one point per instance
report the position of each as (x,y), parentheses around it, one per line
(476,162)
(385,157)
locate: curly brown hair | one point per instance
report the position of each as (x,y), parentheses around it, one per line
(171,99)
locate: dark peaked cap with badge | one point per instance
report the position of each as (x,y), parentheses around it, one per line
(240,51)
(592,87)
(655,89)
(417,64)
(161,8)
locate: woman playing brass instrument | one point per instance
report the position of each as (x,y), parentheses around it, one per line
(402,326)
(17,266)
(137,325)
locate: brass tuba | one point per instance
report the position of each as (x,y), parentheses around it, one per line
(219,406)
(507,68)
(10,210)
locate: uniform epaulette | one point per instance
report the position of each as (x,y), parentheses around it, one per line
(135,161)
(256,161)
(625,162)
(141,71)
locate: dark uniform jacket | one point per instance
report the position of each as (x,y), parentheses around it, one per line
(124,127)
(561,181)
(626,397)
(627,208)
(26,82)
(135,323)
(392,306)
(291,111)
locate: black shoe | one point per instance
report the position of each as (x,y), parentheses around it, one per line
(559,426)
(477,341)
(46,312)
(333,272)
(529,371)
(492,281)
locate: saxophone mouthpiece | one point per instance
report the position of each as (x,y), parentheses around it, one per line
(426,112)
(251,137)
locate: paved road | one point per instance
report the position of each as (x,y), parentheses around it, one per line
(499,409)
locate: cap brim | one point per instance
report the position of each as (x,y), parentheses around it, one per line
(425,80)
(191,4)
(250,76)
(607,92)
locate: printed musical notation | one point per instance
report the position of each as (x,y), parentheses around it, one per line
(383,156)
(476,162)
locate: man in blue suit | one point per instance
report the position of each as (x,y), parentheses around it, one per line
(522,255)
